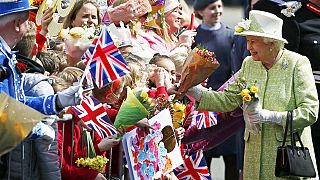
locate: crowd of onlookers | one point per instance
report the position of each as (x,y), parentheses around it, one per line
(155,40)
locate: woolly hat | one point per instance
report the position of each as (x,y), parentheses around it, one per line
(262,24)
(199,5)
(14,6)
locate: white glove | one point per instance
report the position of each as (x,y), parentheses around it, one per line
(69,97)
(256,114)
(196,92)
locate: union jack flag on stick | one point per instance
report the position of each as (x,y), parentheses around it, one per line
(205,119)
(93,114)
(194,167)
(104,59)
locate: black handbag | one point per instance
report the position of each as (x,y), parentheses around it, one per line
(293,161)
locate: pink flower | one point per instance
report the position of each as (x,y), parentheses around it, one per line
(200,53)
(210,54)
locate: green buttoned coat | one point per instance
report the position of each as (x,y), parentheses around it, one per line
(288,85)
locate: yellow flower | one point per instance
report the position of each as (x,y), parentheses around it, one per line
(254,89)
(244,92)
(144,95)
(76,32)
(3,118)
(179,107)
(19,130)
(246,98)
(239,29)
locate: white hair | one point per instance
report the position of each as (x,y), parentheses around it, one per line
(4,20)
(278,44)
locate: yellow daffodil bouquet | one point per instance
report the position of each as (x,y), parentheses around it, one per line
(92,161)
(134,108)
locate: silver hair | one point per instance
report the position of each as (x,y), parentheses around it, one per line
(4,20)
(278,44)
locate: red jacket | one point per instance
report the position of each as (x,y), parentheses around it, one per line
(69,169)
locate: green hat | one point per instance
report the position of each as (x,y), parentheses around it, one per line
(262,24)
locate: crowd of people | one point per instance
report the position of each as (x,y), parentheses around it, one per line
(272,49)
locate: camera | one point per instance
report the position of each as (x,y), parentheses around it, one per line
(4,73)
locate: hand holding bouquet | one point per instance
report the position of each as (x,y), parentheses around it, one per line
(92,161)
(250,100)
(200,64)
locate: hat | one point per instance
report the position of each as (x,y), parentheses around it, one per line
(13,6)
(202,4)
(262,24)
(170,4)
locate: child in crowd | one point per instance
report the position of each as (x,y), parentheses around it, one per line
(53,61)
(71,146)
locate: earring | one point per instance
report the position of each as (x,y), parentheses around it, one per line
(270,49)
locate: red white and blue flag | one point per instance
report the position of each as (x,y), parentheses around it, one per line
(194,167)
(205,119)
(93,114)
(106,62)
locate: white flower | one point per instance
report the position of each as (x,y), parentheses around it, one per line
(243,25)
(292,7)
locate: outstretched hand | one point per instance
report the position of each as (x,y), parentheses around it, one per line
(107,143)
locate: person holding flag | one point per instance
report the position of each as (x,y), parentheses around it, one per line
(89,115)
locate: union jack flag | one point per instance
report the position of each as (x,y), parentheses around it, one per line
(93,114)
(194,167)
(105,61)
(205,119)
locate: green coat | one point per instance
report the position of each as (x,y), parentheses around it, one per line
(288,85)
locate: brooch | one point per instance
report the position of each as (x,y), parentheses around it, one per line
(285,64)
(292,7)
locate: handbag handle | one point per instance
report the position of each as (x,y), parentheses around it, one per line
(289,122)
(286,129)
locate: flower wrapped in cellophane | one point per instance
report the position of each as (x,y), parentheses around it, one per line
(178,114)
(199,65)
(16,122)
(92,161)
(177,110)
(136,107)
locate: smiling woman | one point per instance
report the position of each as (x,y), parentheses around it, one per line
(285,83)
(84,13)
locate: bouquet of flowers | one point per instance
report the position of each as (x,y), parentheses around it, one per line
(92,161)
(200,64)
(83,35)
(134,108)
(249,95)
(177,110)
(15,123)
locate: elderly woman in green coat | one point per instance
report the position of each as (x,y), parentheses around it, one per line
(285,83)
